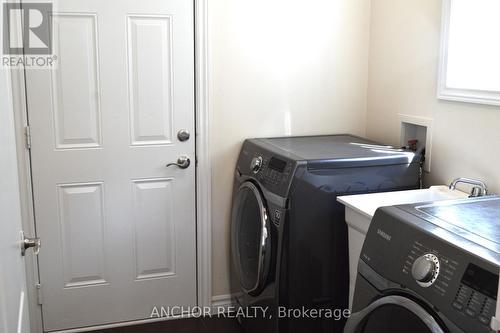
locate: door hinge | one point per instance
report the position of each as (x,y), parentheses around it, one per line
(39,293)
(27,134)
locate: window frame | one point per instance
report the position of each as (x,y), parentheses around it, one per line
(454,94)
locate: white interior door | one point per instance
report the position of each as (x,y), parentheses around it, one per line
(13,297)
(117,225)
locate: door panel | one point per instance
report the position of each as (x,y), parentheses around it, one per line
(150,51)
(13,296)
(81,219)
(154,223)
(75,103)
(118,226)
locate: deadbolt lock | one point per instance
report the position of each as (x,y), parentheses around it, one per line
(183,135)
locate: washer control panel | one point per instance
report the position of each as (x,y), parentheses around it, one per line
(256,164)
(433,265)
(272,171)
(476,296)
(425,269)
(430,268)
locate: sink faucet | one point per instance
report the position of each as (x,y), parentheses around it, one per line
(479,188)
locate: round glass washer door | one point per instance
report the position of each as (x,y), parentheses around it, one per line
(251,238)
(393,314)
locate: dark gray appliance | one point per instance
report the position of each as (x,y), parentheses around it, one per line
(288,233)
(429,268)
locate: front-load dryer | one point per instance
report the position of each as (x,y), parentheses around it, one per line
(288,233)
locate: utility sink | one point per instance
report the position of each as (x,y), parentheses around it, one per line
(367,204)
(361,208)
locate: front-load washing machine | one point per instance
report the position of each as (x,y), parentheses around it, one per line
(288,233)
(429,268)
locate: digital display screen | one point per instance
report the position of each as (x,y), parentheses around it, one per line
(277,164)
(481,280)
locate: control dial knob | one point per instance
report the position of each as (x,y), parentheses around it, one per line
(425,269)
(256,164)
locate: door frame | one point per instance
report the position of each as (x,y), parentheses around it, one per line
(203,178)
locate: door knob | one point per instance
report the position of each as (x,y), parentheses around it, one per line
(27,243)
(183,162)
(183,135)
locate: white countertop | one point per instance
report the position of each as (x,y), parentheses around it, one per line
(367,204)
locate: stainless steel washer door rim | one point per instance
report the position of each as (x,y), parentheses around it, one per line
(251,238)
(356,319)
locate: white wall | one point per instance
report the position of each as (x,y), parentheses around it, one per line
(280,67)
(404,50)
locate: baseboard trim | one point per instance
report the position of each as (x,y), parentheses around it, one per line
(122,324)
(224,302)
(220,304)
